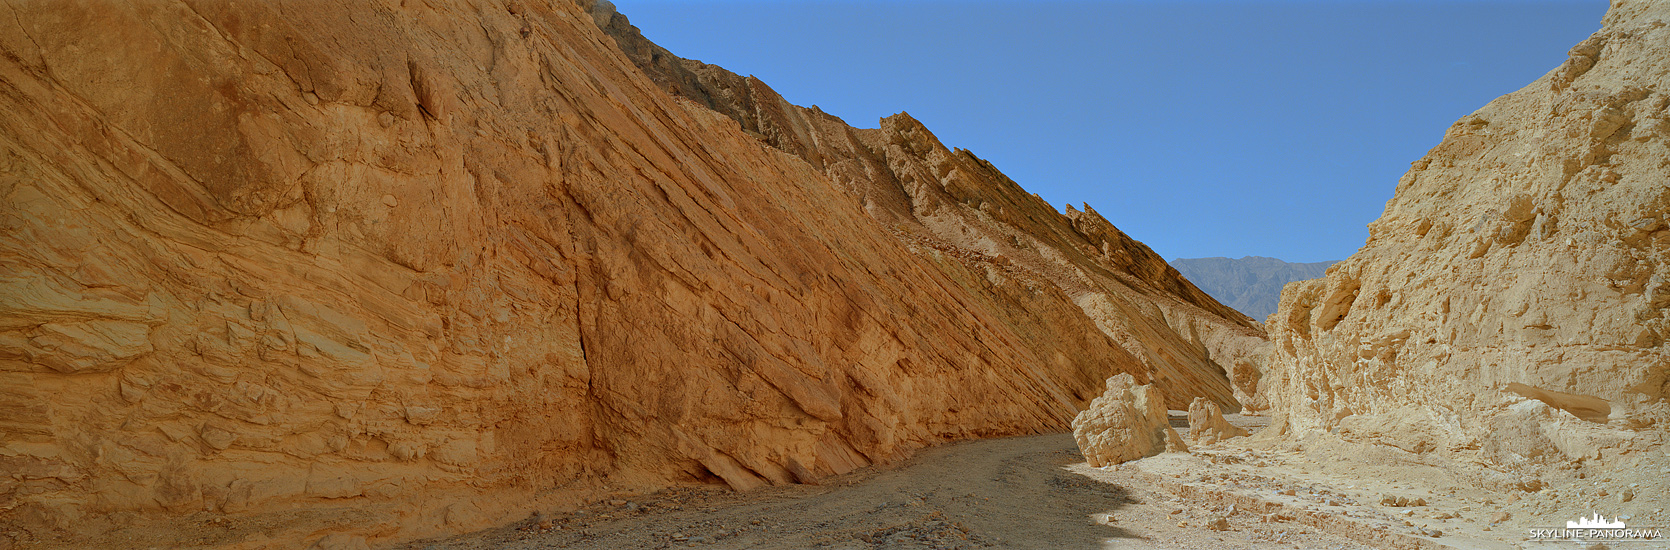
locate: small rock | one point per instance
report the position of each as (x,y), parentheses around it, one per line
(1627,495)
(1500,517)
(341,541)
(1219,523)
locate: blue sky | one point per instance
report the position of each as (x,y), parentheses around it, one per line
(1203,128)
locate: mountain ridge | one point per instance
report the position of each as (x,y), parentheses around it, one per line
(1250,284)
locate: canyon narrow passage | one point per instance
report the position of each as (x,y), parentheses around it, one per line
(1019,492)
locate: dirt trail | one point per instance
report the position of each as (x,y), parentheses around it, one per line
(1000,493)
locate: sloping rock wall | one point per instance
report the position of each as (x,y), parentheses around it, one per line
(275,272)
(960,211)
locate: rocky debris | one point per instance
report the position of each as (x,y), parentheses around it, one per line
(1401,501)
(1278,498)
(1219,523)
(412,266)
(1276,517)
(1127,422)
(1207,424)
(1510,306)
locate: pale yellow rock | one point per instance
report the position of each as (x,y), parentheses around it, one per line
(1128,422)
(1207,424)
(1510,306)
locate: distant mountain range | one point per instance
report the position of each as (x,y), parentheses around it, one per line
(1251,284)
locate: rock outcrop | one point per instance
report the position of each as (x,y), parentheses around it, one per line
(1127,422)
(989,234)
(279,274)
(1207,424)
(1510,306)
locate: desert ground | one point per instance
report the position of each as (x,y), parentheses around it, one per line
(1037,492)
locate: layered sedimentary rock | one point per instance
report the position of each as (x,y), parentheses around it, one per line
(1510,306)
(987,232)
(1127,422)
(280,273)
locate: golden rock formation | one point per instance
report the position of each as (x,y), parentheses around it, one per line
(964,215)
(363,272)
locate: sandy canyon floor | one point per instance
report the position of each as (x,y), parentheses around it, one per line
(1036,492)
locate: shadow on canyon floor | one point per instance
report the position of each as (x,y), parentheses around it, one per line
(1002,493)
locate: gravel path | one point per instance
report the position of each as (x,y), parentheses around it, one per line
(996,493)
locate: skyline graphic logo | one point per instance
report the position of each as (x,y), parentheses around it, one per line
(1595,528)
(1596,522)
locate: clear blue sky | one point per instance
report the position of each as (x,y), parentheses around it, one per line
(1224,128)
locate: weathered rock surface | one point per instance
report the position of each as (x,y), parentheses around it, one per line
(1207,424)
(278,274)
(996,239)
(1127,422)
(1510,306)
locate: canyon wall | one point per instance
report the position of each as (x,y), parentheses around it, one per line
(1510,306)
(964,215)
(282,273)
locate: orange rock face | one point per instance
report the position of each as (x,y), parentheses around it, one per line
(361,272)
(959,211)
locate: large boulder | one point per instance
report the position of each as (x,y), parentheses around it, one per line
(1127,422)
